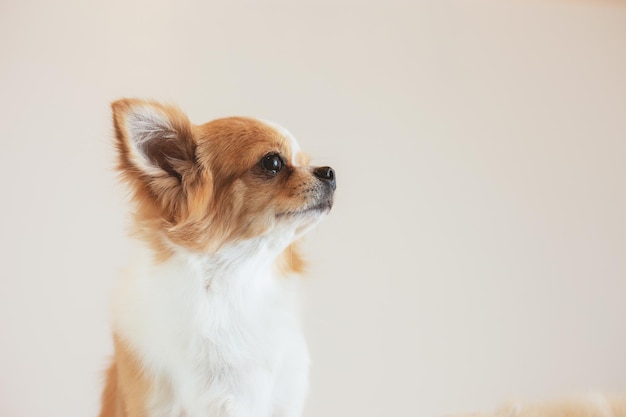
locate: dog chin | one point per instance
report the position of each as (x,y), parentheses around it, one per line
(306,219)
(314,211)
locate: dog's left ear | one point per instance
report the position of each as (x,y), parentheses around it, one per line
(154,141)
(157,158)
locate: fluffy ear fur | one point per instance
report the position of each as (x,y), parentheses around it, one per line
(153,140)
(156,149)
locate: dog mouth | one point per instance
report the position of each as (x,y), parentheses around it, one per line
(322,207)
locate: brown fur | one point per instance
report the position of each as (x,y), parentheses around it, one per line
(198,199)
(127,387)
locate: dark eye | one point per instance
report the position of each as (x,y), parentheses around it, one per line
(272,163)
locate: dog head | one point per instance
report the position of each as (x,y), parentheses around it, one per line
(202,187)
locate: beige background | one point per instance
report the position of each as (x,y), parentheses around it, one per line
(477,252)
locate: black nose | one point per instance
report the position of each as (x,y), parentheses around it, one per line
(326,174)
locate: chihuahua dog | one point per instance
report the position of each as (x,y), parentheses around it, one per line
(204,321)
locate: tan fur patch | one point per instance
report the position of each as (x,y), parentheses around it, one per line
(596,406)
(291,260)
(127,387)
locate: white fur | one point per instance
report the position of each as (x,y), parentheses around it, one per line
(293,143)
(219,333)
(143,124)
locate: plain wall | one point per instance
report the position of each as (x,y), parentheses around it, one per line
(477,249)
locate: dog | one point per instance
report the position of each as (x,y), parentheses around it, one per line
(204,323)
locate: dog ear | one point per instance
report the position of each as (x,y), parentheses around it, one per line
(153,140)
(157,158)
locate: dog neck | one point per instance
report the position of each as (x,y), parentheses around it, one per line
(189,295)
(236,272)
(238,266)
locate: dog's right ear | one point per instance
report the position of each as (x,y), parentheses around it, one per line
(156,150)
